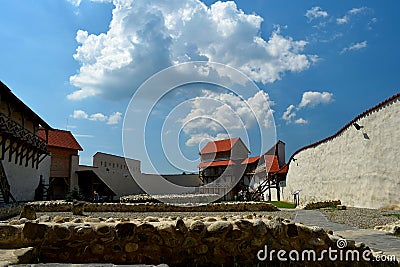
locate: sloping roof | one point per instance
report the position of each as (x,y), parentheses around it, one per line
(13,98)
(250,160)
(60,138)
(219,146)
(349,124)
(216,163)
(271,163)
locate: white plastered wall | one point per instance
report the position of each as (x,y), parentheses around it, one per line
(359,167)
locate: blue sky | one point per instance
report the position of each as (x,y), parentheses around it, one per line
(318,63)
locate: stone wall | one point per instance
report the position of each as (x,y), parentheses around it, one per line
(63,206)
(8,211)
(200,241)
(359,167)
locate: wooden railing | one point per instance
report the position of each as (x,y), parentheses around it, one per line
(8,126)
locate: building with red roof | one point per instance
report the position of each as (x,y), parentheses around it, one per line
(226,169)
(63,149)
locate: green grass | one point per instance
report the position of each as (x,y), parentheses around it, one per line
(282,204)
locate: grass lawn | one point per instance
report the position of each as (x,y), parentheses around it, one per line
(282,204)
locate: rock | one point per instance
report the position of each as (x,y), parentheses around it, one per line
(61,232)
(316,242)
(102,229)
(151,219)
(18,256)
(202,249)
(189,242)
(131,247)
(125,230)
(97,249)
(259,228)
(197,227)
(181,226)
(34,231)
(28,212)
(220,228)
(58,219)
(78,208)
(341,207)
(92,220)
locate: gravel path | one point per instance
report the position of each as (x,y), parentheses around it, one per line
(361,218)
(172,215)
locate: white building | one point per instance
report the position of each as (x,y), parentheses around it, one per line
(114,176)
(23,154)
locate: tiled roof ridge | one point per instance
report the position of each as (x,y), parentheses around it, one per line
(349,124)
(206,148)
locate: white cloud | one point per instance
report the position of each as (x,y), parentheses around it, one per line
(342,20)
(289,114)
(351,13)
(147,36)
(309,99)
(313,99)
(80,114)
(316,12)
(114,118)
(354,47)
(215,115)
(354,11)
(98,117)
(300,121)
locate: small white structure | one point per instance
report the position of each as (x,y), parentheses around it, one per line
(120,174)
(358,165)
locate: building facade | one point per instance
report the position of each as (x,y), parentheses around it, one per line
(23,154)
(226,169)
(113,176)
(63,149)
(358,165)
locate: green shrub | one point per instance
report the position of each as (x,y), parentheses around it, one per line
(74,194)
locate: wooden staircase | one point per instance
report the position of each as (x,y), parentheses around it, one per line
(5,195)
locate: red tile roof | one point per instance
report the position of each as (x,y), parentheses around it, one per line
(219,146)
(216,163)
(250,160)
(284,169)
(271,163)
(60,138)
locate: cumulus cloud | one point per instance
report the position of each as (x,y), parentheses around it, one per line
(354,47)
(80,114)
(309,99)
(289,114)
(316,12)
(147,36)
(313,99)
(216,115)
(114,118)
